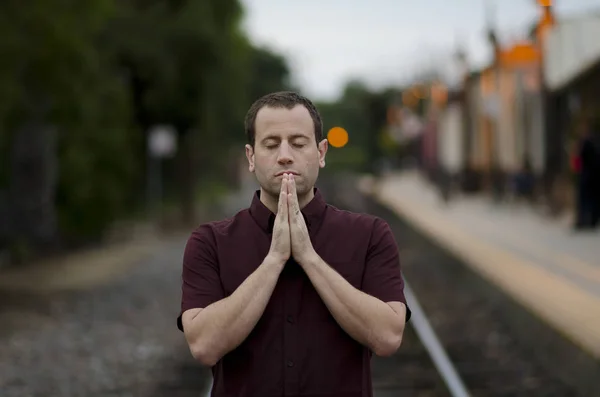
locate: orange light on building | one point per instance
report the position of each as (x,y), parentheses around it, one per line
(519,54)
(547,21)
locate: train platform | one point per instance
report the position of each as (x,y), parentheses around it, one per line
(544,266)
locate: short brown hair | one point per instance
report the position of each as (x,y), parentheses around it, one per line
(281,99)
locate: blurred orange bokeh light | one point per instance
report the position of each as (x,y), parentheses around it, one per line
(337,137)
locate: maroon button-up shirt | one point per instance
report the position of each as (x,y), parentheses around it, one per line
(297,348)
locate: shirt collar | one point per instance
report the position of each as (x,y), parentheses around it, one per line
(312,212)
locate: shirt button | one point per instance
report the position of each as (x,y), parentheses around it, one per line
(290,319)
(290,363)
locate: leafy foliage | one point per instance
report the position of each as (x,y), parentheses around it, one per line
(102,72)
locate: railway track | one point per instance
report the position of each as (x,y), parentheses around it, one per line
(462,330)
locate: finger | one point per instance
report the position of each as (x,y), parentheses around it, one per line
(292,185)
(284,188)
(291,211)
(287,185)
(295,206)
(285,212)
(282,209)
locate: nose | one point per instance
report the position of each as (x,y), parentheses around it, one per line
(285,154)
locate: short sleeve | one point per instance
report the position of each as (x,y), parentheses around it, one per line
(383,276)
(201,282)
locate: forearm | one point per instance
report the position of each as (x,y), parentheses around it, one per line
(365,318)
(224,325)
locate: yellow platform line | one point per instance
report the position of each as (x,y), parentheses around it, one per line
(568,262)
(578,266)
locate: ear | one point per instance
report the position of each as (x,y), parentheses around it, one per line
(322,147)
(250,157)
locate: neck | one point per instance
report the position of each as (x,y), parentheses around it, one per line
(272,202)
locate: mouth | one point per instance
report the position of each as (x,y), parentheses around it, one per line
(287,172)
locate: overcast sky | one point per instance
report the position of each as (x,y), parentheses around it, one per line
(380,42)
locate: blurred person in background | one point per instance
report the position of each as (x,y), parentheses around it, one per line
(524,181)
(587,165)
(291,296)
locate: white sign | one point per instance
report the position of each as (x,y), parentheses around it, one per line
(162,141)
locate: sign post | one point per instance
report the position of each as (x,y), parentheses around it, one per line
(162,143)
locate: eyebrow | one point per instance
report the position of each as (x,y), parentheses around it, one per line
(299,136)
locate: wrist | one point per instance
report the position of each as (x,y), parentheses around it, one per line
(274,261)
(309,258)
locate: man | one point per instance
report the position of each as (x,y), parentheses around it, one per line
(290,296)
(588,190)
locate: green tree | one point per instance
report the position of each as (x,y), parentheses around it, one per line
(363,113)
(55,73)
(101,73)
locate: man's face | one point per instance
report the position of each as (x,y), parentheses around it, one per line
(285,142)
